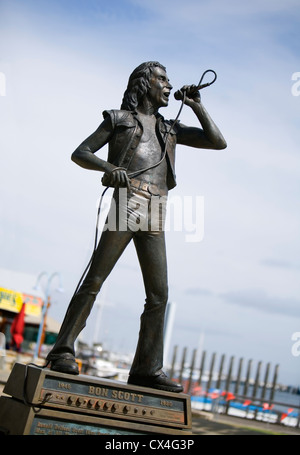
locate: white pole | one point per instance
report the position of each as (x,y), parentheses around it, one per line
(169,322)
(100,302)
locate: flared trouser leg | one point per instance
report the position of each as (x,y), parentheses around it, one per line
(148,359)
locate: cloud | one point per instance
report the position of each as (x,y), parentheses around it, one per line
(259,300)
(209,331)
(279,263)
(198,291)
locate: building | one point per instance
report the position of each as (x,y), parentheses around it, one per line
(17,289)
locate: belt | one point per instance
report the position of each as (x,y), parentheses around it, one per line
(145,186)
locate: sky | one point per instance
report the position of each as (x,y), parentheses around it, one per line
(235,286)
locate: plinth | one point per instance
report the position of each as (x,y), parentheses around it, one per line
(42,402)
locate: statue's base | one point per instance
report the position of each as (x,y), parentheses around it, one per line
(40,401)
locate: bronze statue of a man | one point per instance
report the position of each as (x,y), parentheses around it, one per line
(141,162)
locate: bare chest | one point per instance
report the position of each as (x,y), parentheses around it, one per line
(149,152)
(149,131)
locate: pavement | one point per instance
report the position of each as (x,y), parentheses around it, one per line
(206,423)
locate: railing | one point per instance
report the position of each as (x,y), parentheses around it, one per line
(236,393)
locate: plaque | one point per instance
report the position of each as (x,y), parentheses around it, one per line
(49,402)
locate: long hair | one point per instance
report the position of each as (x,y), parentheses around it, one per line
(138,85)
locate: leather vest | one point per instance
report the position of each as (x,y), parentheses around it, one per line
(127,133)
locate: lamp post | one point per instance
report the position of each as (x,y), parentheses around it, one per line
(45,307)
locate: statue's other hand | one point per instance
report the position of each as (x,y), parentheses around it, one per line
(116,178)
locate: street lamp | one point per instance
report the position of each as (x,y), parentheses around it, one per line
(46,305)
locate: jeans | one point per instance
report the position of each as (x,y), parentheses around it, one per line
(151,251)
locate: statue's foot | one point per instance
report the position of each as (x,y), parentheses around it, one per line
(64,365)
(161,382)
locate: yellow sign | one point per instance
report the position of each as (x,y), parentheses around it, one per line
(33,305)
(13,301)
